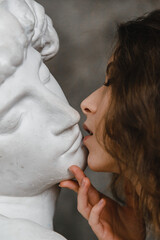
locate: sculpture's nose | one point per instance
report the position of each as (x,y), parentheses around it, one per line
(67,118)
(58,111)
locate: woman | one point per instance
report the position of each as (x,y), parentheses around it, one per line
(123,121)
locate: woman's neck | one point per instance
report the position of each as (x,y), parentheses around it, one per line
(39,209)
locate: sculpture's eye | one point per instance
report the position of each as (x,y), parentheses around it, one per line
(44,73)
(9,124)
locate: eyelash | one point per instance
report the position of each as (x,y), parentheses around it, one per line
(107,84)
(46,80)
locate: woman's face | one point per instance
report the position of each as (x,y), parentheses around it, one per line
(95,108)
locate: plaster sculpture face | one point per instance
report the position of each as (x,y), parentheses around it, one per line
(39,135)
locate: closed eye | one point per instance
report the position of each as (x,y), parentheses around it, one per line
(108,83)
(8,126)
(46,80)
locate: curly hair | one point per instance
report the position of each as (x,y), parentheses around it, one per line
(132,124)
(31,27)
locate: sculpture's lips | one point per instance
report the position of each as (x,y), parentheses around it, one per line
(75,144)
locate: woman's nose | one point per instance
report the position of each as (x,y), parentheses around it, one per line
(89,105)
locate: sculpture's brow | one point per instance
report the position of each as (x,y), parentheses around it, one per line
(5,108)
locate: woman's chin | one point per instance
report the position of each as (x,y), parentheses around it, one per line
(98,165)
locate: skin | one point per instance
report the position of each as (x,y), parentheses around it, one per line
(107,218)
(94,107)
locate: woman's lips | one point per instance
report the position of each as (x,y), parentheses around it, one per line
(88,131)
(85,138)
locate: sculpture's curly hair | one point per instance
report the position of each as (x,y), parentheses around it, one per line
(132,123)
(32,27)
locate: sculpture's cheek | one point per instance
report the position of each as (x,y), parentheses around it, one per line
(36,158)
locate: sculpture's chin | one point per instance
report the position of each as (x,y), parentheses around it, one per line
(45,178)
(78,158)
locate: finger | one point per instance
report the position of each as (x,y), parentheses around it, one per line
(84,206)
(78,173)
(93,194)
(70,184)
(94,218)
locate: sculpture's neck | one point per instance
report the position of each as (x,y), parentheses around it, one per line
(39,209)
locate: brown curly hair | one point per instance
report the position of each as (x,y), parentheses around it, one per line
(132,124)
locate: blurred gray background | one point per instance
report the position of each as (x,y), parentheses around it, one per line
(86,30)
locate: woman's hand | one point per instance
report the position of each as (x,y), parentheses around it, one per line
(108,219)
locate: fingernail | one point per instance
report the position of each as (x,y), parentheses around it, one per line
(100,202)
(59,185)
(83,182)
(70,170)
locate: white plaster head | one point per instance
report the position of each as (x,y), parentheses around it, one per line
(39,135)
